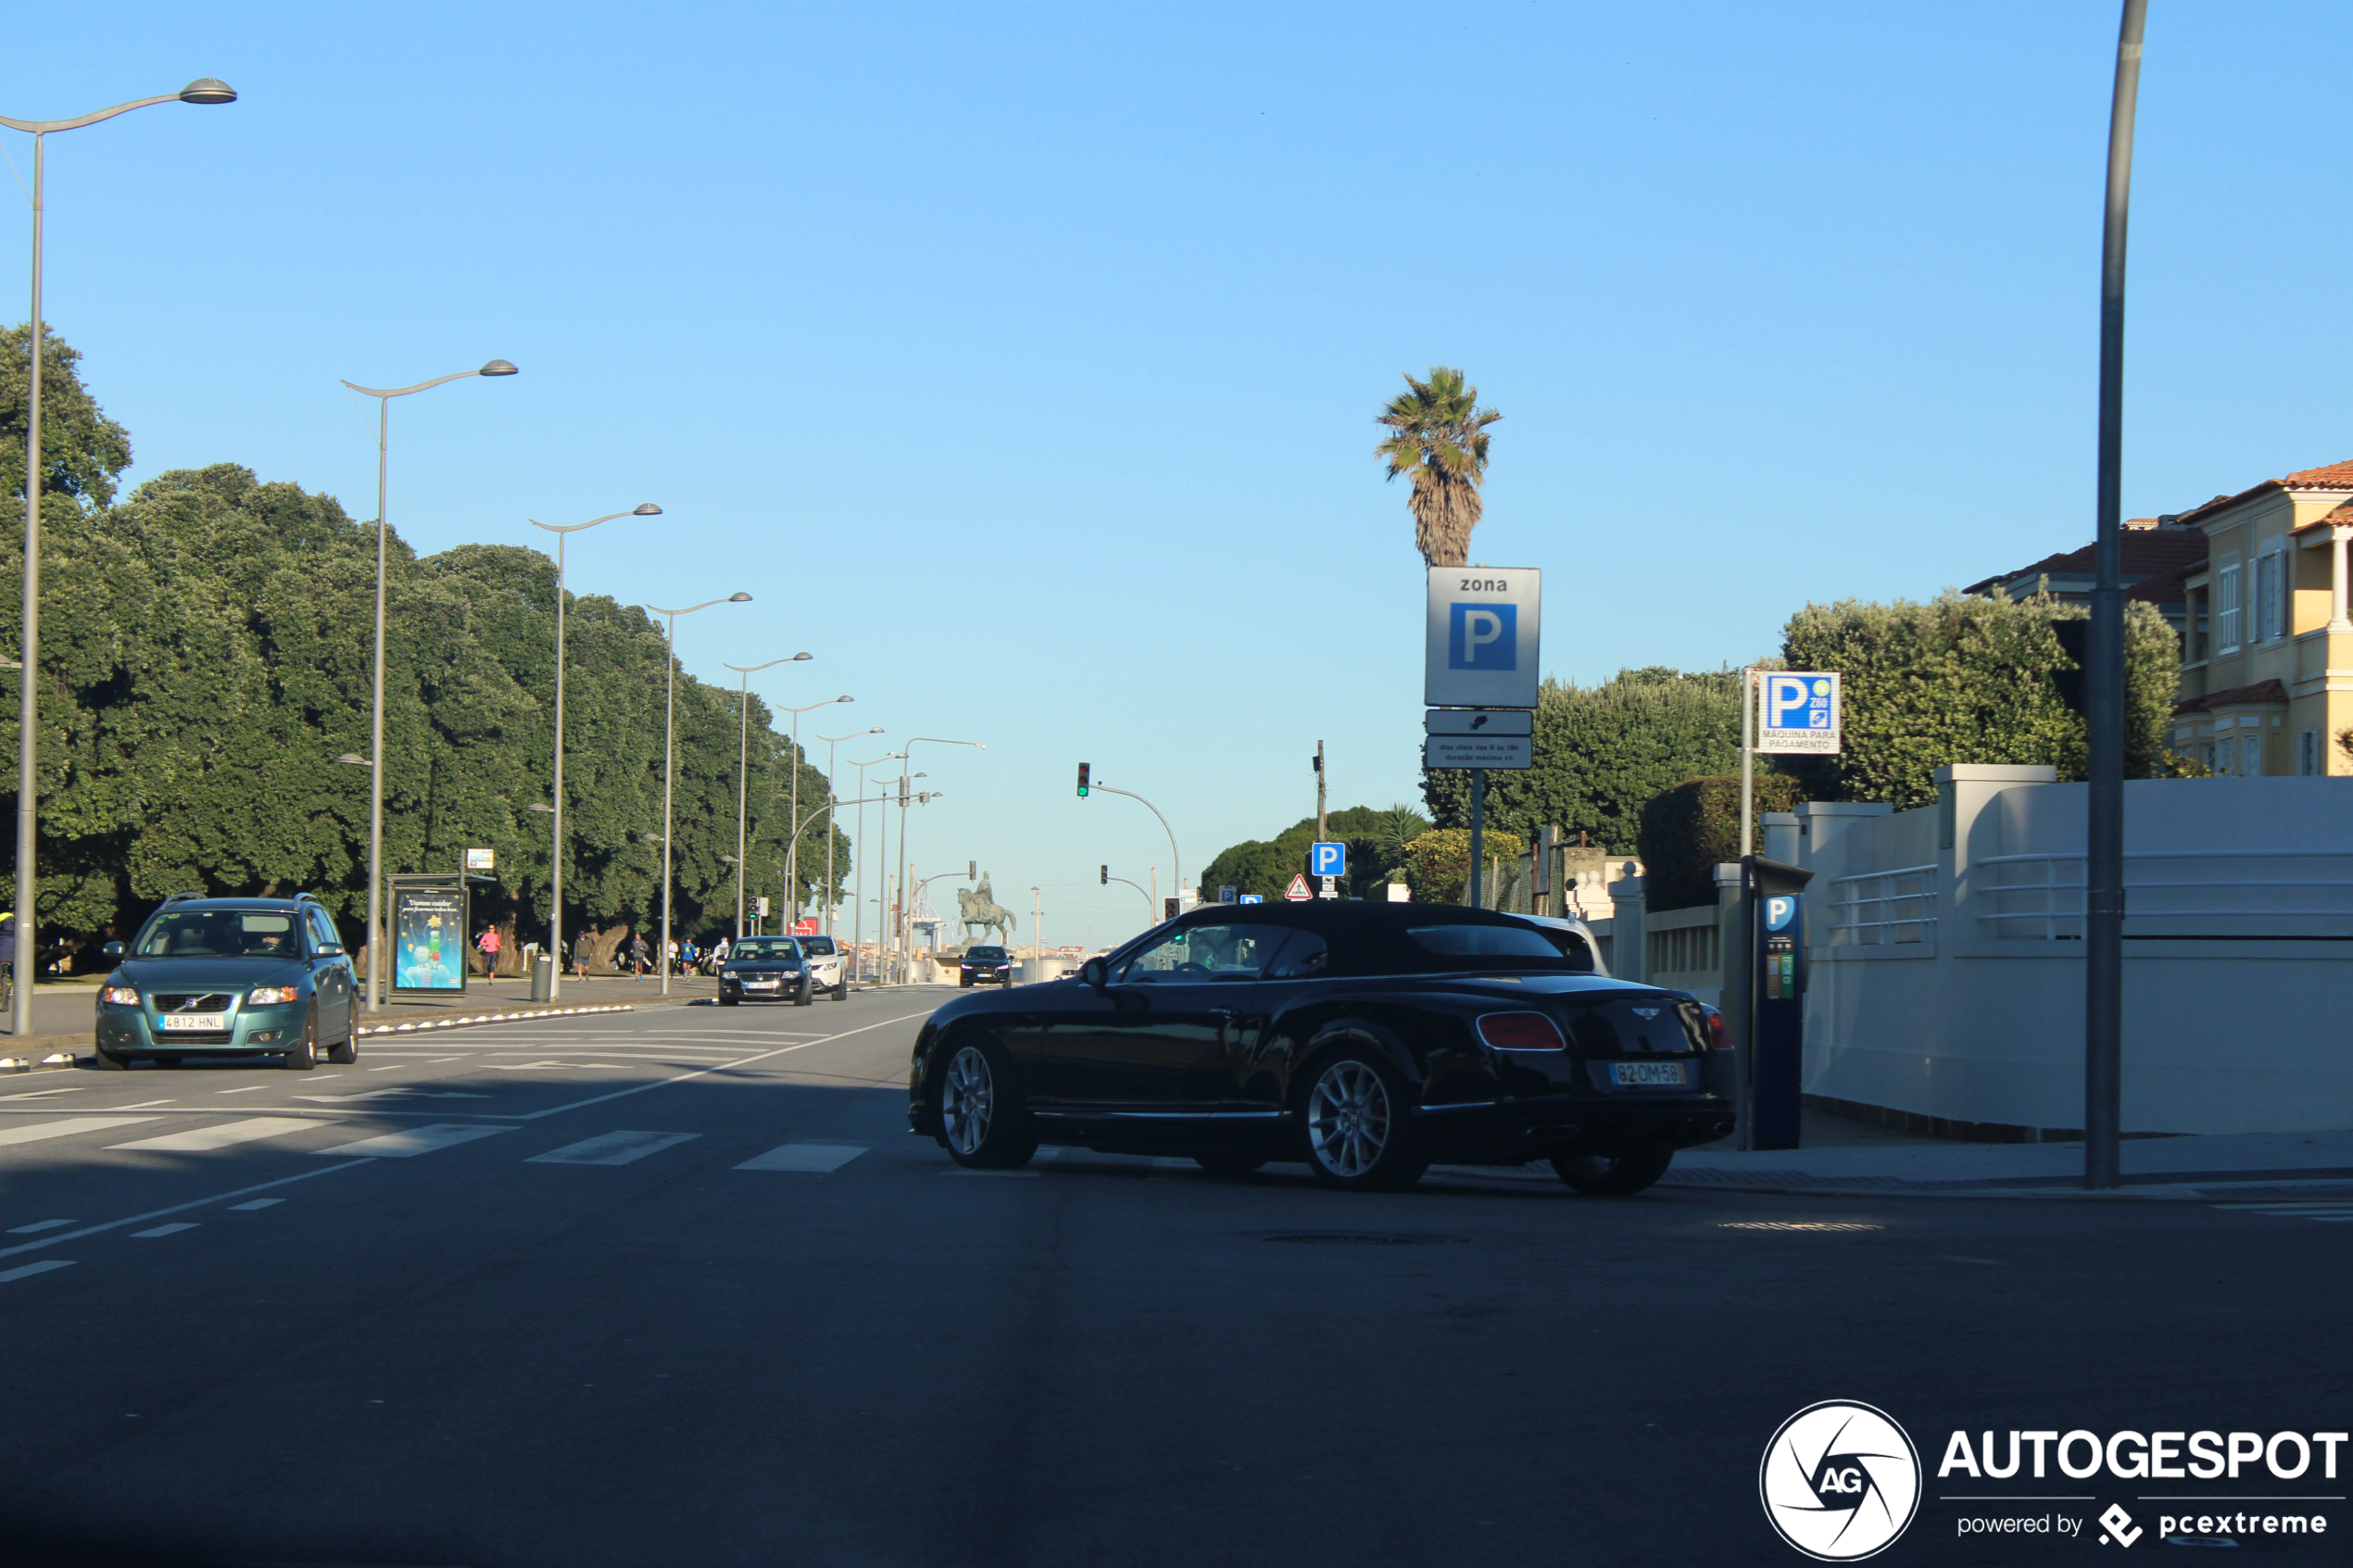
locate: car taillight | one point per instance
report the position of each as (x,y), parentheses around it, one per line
(1521,1032)
(1718,1037)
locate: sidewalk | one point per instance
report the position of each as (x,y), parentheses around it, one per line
(1851,1158)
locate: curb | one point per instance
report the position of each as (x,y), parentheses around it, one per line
(430,1025)
(2318,1184)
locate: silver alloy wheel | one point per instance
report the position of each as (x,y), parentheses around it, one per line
(967,1100)
(1348,1118)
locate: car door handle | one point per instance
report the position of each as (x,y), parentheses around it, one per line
(1222,1014)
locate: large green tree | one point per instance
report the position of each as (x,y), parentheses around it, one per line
(1602,751)
(1438,441)
(205,655)
(1376,839)
(1961,679)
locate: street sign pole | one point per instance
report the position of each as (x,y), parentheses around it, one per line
(1748,759)
(1478,836)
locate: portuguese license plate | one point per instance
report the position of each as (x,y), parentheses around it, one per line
(207,1023)
(760,984)
(1647,1074)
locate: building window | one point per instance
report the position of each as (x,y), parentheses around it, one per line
(2226,608)
(2271,597)
(2308,752)
(2251,757)
(2217,758)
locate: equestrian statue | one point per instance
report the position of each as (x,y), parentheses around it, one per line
(979,907)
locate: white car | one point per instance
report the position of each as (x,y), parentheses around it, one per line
(1571,936)
(827,971)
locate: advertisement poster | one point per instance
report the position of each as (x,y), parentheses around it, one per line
(429,939)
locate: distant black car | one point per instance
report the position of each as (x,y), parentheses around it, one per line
(1369,1040)
(766,969)
(984,966)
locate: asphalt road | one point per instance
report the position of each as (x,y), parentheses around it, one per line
(677,1288)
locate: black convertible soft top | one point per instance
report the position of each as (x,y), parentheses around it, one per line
(1369,937)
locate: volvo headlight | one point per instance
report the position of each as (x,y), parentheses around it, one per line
(123,996)
(271,996)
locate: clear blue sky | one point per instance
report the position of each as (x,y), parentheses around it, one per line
(1021,359)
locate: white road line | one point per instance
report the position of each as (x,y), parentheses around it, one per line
(67,1127)
(44,1094)
(177,1207)
(249,1205)
(224,1135)
(248,1089)
(143,1104)
(414,1140)
(394,1068)
(1171,1162)
(153,1231)
(25,1270)
(38,1226)
(611,1148)
(701,1072)
(815,1158)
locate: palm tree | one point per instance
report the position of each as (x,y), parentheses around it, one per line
(1440,439)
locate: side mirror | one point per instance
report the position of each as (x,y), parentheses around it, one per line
(111,950)
(1095,972)
(330,952)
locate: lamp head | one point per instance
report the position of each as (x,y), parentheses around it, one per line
(542,807)
(844,699)
(647,509)
(799,656)
(739,598)
(352,759)
(497,368)
(208,90)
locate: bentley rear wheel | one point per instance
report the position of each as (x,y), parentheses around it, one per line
(1355,1124)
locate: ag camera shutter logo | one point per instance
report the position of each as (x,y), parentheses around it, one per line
(1840,1481)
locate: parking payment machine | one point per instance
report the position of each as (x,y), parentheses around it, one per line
(1776,1001)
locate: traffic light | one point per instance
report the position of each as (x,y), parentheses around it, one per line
(1106,877)
(1169,904)
(1083,771)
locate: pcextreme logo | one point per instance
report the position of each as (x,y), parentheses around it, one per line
(1840,1481)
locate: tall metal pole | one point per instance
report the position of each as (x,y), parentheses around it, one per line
(204,90)
(668,702)
(1176,856)
(28,656)
(556,800)
(669,710)
(905,909)
(563,534)
(1478,838)
(2104,682)
(792,851)
(833,798)
(743,773)
(383,396)
(1748,760)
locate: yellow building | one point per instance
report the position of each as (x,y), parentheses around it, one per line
(2267,647)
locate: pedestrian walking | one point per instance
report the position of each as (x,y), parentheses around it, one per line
(640,955)
(488,944)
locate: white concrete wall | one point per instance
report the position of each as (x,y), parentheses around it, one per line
(2235,1017)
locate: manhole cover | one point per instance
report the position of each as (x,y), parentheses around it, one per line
(1358,1238)
(1798,1225)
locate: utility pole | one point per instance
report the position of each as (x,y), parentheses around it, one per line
(1323,825)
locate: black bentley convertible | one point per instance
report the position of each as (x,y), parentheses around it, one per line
(1370,1040)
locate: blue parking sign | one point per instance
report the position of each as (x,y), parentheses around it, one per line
(1328,860)
(1253,899)
(1799,712)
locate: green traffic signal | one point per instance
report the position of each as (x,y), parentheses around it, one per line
(1083,771)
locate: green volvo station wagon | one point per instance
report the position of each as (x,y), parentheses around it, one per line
(227,977)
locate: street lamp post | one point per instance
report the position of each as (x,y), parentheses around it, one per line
(668,711)
(1179,867)
(383,396)
(858,937)
(933,740)
(831,772)
(204,90)
(555,829)
(743,766)
(792,860)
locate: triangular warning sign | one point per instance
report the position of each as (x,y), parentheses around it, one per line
(1298,891)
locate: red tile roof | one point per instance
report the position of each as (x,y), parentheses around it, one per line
(2340,515)
(2236,697)
(2147,554)
(2335,476)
